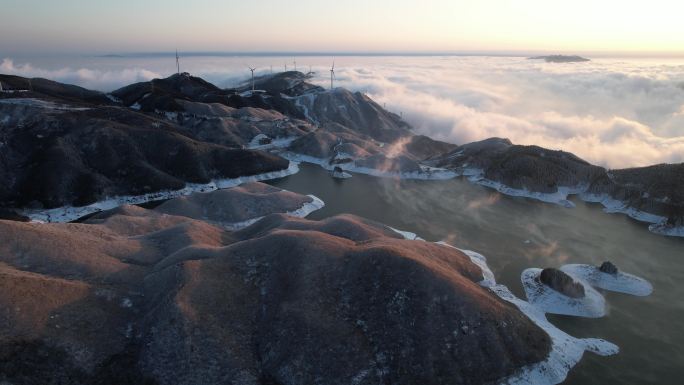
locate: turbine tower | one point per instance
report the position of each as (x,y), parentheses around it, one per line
(295,63)
(252,69)
(177,62)
(332,74)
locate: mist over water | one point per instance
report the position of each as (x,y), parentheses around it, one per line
(518,233)
(614,112)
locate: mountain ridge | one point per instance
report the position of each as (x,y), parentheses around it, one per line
(340,128)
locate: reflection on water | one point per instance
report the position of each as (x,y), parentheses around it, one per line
(517,233)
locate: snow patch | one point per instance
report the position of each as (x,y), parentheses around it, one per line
(560,197)
(479,260)
(665,229)
(566,350)
(340,174)
(38,103)
(303,102)
(280,142)
(620,282)
(548,300)
(113,98)
(171,115)
(13,91)
(612,205)
(406,234)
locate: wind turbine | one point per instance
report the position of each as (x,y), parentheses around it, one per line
(295,63)
(252,69)
(332,74)
(177,62)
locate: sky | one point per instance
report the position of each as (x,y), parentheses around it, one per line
(124,26)
(624,108)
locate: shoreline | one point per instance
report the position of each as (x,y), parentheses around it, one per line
(71,213)
(657,223)
(566,351)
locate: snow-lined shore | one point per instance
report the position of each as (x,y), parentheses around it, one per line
(426,173)
(279,142)
(306,209)
(566,350)
(71,213)
(43,104)
(658,223)
(560,197)
(619,282)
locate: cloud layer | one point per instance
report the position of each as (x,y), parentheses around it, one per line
(616,113)
(609,112)
(98,79)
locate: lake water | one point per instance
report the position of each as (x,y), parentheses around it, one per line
(517,233)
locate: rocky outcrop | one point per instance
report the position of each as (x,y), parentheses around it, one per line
(561,282)
(608,268)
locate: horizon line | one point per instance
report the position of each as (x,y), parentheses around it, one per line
(362,53)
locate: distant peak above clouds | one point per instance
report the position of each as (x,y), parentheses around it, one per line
(560,58)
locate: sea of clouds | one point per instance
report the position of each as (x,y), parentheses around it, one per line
(612,112)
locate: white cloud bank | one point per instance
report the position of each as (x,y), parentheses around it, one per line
(98,79)
(609,112)
(615,113)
